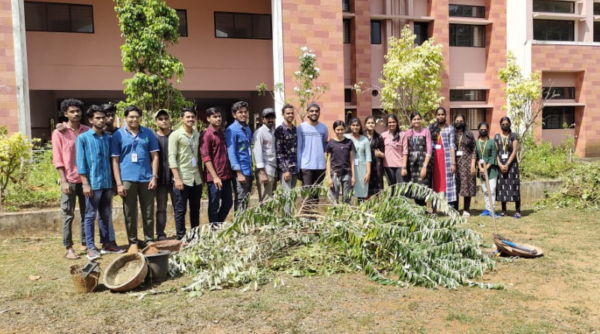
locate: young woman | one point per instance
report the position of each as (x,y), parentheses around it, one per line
(508,189)
(395,149)
(362,159)
(466,158)
(486,163)
(340,164)
(377,155)
(417,140)
(444,163)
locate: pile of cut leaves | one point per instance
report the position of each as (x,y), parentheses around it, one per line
(392,240)
(580,189)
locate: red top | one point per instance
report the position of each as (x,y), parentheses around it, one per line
(63,151)
(213,148)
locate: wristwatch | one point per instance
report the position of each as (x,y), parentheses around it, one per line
(155,176)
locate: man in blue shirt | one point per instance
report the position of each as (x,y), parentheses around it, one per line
(134,150)
(312,139)
(238,137)
(93,165)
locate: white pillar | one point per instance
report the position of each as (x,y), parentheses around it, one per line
(21,72)
(278,70)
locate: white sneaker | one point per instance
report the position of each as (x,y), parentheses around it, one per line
(466,214)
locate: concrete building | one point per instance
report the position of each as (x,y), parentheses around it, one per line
(55,49)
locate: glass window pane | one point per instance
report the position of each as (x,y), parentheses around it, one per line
(58,18)
(224,27)
(375,32)
(35,17)
(262,26)
(596,31)
(473,116)
(82,19)
(553,30)
(182,14)
(345,5)
(243,25)
(479,36)
(596,8)
(346,31)
(552,6)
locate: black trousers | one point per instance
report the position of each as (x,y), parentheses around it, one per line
(312,177)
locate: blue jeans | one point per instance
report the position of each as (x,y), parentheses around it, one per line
(219,202)
(100,204)
(191,194)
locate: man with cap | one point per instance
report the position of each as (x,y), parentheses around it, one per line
(265,157)
(312,139)
(165,188)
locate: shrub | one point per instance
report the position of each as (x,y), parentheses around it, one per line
(580,189)
(545,161)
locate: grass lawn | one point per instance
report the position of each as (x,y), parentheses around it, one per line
(557,293)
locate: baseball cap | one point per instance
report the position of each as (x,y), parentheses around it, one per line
(268,112)
(161,112)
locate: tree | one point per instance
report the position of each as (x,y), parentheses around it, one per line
(149,27)
(524,100)
(412,77)
(307,89)
(14,151)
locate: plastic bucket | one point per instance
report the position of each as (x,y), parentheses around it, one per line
(159,266)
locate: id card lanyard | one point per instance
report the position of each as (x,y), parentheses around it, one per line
(134,144)
(504,144)
(482,150)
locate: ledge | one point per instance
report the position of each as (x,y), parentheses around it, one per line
(566,43)
(563,103)
(558,16)
(470,20)
(347,15)
(463,105)
(402,17)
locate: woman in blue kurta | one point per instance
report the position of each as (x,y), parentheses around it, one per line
(362,159)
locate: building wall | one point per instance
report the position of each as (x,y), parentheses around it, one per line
(440,28)
(361,50)
(318,26)
(495,59)
(8,85)
(66,61)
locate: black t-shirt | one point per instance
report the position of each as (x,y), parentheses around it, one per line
(340,155)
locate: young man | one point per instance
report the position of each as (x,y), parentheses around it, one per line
(239,141)
(312,139)
(63,157)
(286,147)
(134,150)
(165,188)
(93,166)
(185,166)
(265,156)
(218,174)
(444,159)
(111,112)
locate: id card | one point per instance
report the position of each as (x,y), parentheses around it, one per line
(504,156)
(459,153)
(438,146)
(355,162)
(194,163)
(134,157)
(481,161)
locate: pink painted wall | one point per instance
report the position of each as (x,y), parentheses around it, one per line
(467,67)
(8,84)
(558,79)
(64,61)
(557,137)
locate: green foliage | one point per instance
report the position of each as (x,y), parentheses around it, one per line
(523,94)
(15,151)
(544,160)
(39,188)
(307,89)
(580,189)
(412,77)
(149,27)
(388,237)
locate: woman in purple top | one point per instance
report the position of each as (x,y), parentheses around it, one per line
(394,160)
(418,142)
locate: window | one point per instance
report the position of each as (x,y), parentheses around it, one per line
(554,6)
(467,95)
(558,93)
(375,32)
(182,13)
(243,25)
(422,32)
(467,35)
(473,116)
(553,30)
(558,117)
(346,31)
(596,31)
(467,11)
(348,95)
(345,5)
(596,8)
(57,17)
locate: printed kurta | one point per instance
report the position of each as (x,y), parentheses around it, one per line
(442,163)
(419,147)
(508,188)
(362,156)
(466,184)
(376,182)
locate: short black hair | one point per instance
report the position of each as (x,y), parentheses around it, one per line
(415,114)
(212,111)
(109,107)
(482,124)
(64,105)
(94,109)
(397,133)
(287,106)
(132,108)
(442,109)
(338,123)
(186,109)
(355,120)
(239,105)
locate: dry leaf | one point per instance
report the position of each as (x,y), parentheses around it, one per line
(34,277)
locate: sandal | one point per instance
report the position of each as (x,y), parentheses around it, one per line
(502,214)
(71,255)
(517,215)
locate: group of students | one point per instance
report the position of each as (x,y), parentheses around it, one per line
(145,167)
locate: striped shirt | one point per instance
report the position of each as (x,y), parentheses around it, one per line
(93,159)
